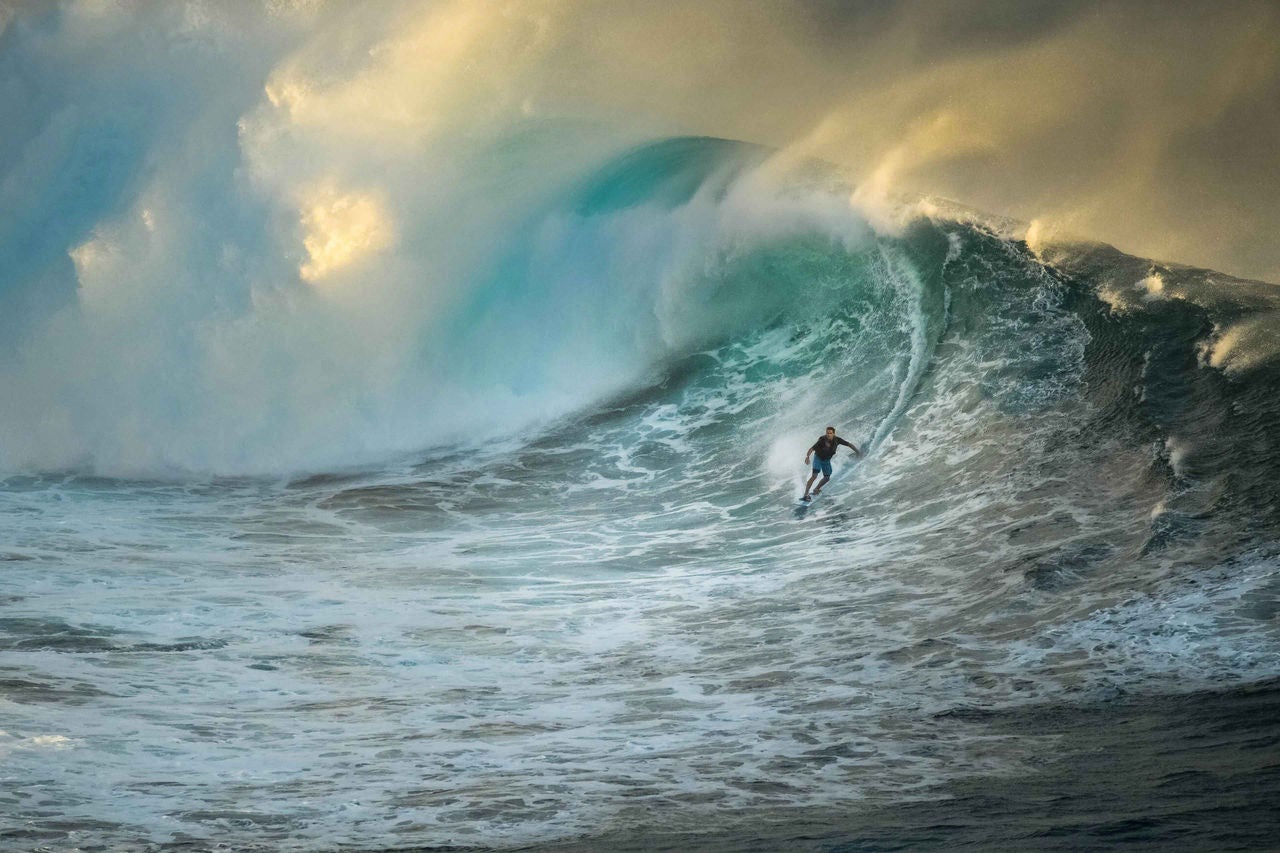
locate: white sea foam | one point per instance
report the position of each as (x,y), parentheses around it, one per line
(515,642)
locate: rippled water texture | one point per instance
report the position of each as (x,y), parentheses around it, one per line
(1040,614)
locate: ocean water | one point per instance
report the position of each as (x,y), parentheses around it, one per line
(589,614)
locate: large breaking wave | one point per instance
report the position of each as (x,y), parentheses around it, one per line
(544,541)
(394,455)
(655,263)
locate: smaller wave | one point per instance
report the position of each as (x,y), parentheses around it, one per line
(31,634)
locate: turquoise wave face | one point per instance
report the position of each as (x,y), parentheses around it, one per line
(676,248)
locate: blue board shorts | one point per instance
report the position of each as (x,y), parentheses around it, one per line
(823,465)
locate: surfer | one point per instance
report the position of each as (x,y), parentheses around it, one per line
(822,451)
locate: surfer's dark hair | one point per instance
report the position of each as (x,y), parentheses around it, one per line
(833,429)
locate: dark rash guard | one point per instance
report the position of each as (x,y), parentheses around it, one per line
(827,447)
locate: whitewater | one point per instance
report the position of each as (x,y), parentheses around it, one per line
(585,610)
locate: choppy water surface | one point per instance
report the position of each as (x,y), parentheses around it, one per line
(1055,574)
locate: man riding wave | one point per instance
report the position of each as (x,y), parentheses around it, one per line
(822,451)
